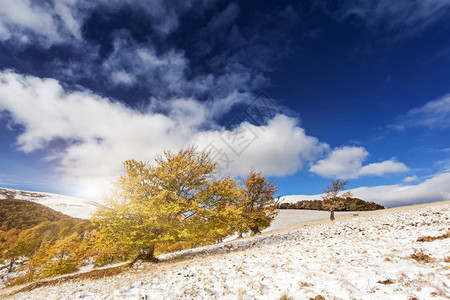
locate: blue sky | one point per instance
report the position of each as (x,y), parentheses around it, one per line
(305,92)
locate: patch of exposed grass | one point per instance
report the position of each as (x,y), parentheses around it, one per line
(386,282)
(421,257)
(433,238)
(305,284)
(318,297)
(95,274)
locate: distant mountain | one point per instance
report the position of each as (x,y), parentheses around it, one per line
(37,241)
(74,207)
(22,214)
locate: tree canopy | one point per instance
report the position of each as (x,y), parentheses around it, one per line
(179,199)
(258,203)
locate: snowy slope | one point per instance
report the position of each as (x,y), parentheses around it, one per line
(361,257)
(75,207)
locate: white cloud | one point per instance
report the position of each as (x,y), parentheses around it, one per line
(431,190)
(50,23)
(409,179)
(98,134)
(279,148)
(434,189)
(343,163)
(346,163)
(434,115)
(385,167)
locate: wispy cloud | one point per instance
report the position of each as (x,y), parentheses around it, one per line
(218,59)
(347,163)
(434,115)
(131,65)
(60,21)
(401,18)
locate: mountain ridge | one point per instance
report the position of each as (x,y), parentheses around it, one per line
(71,206)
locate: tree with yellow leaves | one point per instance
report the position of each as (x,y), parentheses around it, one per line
(335,195)
(258,203)
(176,199)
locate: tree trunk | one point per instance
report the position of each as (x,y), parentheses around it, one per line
(255,230)
(11,265)
(332,215)
(147,253)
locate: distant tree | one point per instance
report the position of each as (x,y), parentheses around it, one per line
(335,195)
(177,199)
(258,204)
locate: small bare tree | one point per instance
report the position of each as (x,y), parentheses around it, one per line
(335,195)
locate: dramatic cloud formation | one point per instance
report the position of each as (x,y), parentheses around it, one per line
(434,115)
(85,85)
(89,136)
(346,163)
(217,58)
(175,90)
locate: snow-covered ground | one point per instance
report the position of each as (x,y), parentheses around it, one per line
(75,207)
(292,217)
(362,257)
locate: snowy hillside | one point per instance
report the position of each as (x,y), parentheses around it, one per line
(71,206)
(378,255)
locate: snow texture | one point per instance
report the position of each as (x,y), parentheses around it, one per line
(367,256)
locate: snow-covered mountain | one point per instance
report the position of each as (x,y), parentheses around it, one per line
(74,207)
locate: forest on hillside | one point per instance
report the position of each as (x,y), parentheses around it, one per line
(39,241)
(346,204)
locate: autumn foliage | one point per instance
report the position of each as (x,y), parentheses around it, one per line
(42,242)
(258,203)
(175,203)
(178,200)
